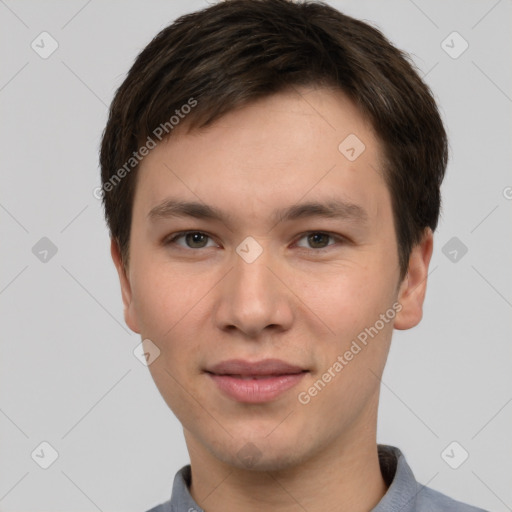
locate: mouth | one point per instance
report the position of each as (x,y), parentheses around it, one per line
(255,382)
(254,377)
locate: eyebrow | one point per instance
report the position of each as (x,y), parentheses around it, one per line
(332,208)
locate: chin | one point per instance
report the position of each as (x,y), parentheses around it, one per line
(260,454)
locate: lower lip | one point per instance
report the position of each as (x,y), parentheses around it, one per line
(256,390)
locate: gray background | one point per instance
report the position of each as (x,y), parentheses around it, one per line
(68,373)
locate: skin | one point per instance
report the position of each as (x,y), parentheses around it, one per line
(201,303)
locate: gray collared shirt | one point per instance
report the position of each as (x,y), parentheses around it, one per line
(404,493)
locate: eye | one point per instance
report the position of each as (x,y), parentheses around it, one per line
(318,240)
(193,240)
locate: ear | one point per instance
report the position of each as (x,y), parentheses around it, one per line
(414,286)
(126,291)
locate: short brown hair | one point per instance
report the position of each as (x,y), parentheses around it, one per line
(237,51)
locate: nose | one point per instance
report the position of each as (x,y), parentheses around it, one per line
(253,298)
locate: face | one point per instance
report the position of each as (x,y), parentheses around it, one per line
(289,254)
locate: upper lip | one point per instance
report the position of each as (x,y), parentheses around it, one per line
(247,368)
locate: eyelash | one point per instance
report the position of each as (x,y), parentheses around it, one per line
(172,240)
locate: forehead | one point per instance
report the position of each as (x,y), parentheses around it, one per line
(300,144)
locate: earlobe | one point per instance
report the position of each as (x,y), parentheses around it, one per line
(414,286)
(126,291)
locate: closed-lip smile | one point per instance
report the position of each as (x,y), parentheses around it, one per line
(255,382)
(247,368)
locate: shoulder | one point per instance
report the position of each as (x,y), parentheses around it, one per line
(163,507)
(429,500)
(406,494)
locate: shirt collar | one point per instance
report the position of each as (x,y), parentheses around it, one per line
(401,493)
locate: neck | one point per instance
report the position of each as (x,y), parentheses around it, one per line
(345,476)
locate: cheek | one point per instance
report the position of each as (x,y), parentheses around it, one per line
(172,311)
(167,306)
(348,297)
(161,298)
(350,302)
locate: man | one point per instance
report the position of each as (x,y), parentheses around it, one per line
(271,175)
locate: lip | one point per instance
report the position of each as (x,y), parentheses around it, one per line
(257,390)
(255,382)
(266,367)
